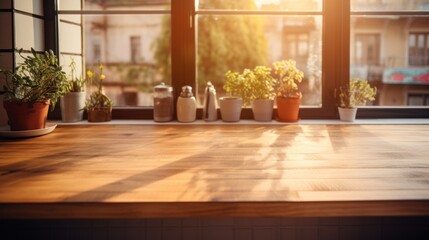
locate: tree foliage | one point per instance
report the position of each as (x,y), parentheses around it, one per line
(225,42)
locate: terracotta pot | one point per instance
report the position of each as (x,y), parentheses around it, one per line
(26,116)
(72,105)
(347,114)
(288,109)
(230,108)
(100,114)
(262,110)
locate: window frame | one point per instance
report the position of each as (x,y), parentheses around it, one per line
(325,111)
(336,49)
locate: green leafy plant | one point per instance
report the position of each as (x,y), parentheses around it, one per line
(97,98)
(357,92)
(38,78)
(251,84)
(261,86)
(288,76)
(77,83)
(237,84)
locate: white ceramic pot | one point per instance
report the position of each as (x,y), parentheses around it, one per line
(186,109)
(262,110)
(72,106)
(230,108)
(347,114)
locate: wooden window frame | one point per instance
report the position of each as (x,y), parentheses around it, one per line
(335,60)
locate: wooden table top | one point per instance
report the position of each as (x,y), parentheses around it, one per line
(129,171)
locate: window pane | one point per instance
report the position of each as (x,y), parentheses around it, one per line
(114,5)
(236,42)
(412,59)
(389,52)
(421,49)
(135,50)
(279,5)
(127,48)
(380,5)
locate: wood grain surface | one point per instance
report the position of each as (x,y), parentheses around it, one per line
(132,171)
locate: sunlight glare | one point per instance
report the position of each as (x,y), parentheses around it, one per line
(259,3)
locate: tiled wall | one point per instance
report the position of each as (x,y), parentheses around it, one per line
(220,229)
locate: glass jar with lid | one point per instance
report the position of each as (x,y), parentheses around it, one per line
(163,106)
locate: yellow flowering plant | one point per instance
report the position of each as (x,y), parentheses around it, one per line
(97,98)
(288,76)
(357,92)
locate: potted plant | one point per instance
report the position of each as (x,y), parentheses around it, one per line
(351,95)
(230,106)
(98,106)
(288,95)
(260,87)
(36,83)
(73,102)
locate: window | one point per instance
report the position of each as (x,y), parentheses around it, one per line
(96,52)
(418,51)
(234,35)
(297,45)
(416,99)
(367,49)
(389,47)
(135,49)
(123,35)
(190,42)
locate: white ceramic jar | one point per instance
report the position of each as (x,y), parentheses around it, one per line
(186,105)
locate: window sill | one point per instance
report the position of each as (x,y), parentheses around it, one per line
(389,121)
